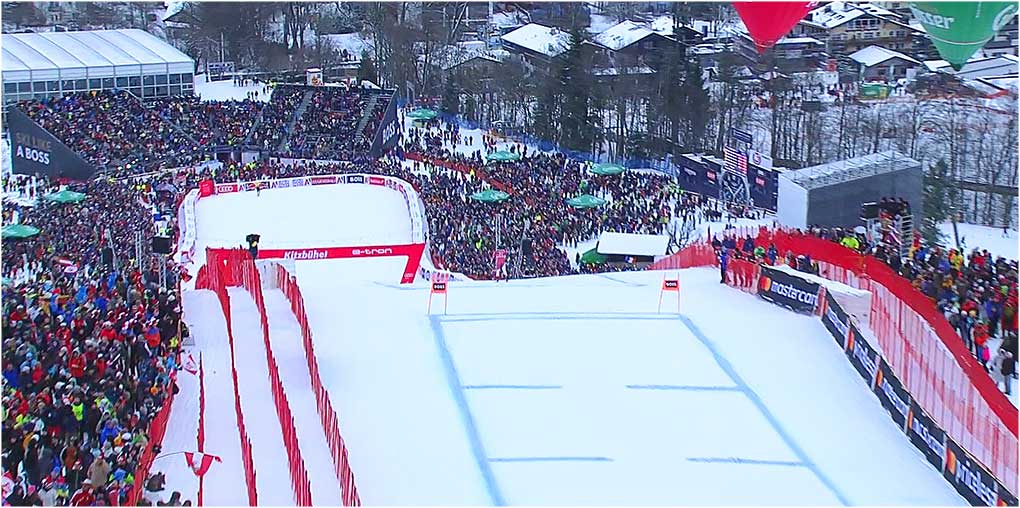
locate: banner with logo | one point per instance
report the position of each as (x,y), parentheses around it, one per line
(386,134)
(926,435)
(206,188)
(862,356)
(836,320)
(891,393)
(784,289)
(969,477)
(412,251)
(35,151)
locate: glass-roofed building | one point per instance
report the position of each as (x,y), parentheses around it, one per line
(37,65)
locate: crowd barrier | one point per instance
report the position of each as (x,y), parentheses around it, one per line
(157,429)
(244,272)
(460,167)
(925,352)
(920,347)
(215,278)
(327,415)
(201,426)
(958,466)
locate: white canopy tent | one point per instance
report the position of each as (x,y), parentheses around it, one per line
(38,65)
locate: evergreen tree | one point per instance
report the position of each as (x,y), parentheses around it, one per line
(451,96)
(576,87)
(367,72)
(697,105)
(937,202)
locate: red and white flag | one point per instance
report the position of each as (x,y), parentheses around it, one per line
(190,365)
(200,462)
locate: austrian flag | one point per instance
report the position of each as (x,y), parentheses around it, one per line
(200,462)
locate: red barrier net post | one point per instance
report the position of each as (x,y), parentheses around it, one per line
(327,415)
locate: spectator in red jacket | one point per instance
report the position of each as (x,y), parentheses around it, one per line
(84,496)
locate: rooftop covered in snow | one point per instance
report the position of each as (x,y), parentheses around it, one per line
(623,34)
(874,55)
(834,14)
(860,167)
(540,39)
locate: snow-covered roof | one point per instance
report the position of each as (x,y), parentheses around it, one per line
(788,40)
(859,167)
(874,55)
(709,29)
(629,244)
(986,67)
(67,54)
(935,65)
(834,14)
(623,34)
(626,71)
(540,39)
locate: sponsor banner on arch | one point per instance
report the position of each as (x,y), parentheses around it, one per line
(412,251)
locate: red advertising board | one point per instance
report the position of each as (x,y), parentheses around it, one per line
(412,251)
(206,188)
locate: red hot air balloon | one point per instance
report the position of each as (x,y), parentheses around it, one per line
(767,22)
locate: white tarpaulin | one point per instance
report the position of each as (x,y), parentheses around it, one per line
(629,244)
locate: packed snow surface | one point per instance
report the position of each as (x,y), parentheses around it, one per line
(568,390)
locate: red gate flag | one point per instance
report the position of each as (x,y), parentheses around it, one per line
(205,460)
(768,22)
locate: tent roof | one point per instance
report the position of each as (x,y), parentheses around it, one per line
(75,50)
(629,244)
(860,167)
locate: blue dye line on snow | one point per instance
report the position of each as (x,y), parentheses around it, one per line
(624,282)
(512,387)
(724,364)
(738,460)
(693,388)
(562,316)
(470,427)
(550,459)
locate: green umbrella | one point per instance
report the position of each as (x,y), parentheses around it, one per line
(18,231)
(593,257)
(586,201)
(607,168)
(502,156)
(490,196)
(422,114)
(65,196)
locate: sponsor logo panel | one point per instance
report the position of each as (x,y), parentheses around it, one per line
(355,178)
(926,435)
(836,320)
(890,392)
(787,290)
(321,180)
(376,180)
(969,477)
(862,356)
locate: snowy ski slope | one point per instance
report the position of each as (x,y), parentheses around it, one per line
(565,390)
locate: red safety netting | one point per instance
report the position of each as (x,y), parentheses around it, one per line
(157,429)
(327,415)
(924,351)
(216,277)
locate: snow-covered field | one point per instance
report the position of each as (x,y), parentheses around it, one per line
(567,390)
(225,90)
(998,242)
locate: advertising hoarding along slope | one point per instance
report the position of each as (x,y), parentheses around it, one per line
(34,151)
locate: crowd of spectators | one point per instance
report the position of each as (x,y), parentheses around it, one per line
(210,123)
(328,127)
(89,347)
(112,129)
(976,291)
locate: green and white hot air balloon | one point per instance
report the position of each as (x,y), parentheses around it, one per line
(959,29)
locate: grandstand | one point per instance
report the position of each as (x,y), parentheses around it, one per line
(47,65)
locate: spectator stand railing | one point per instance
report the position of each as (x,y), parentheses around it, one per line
(327,415)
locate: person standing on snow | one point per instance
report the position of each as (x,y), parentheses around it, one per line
(724,259)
